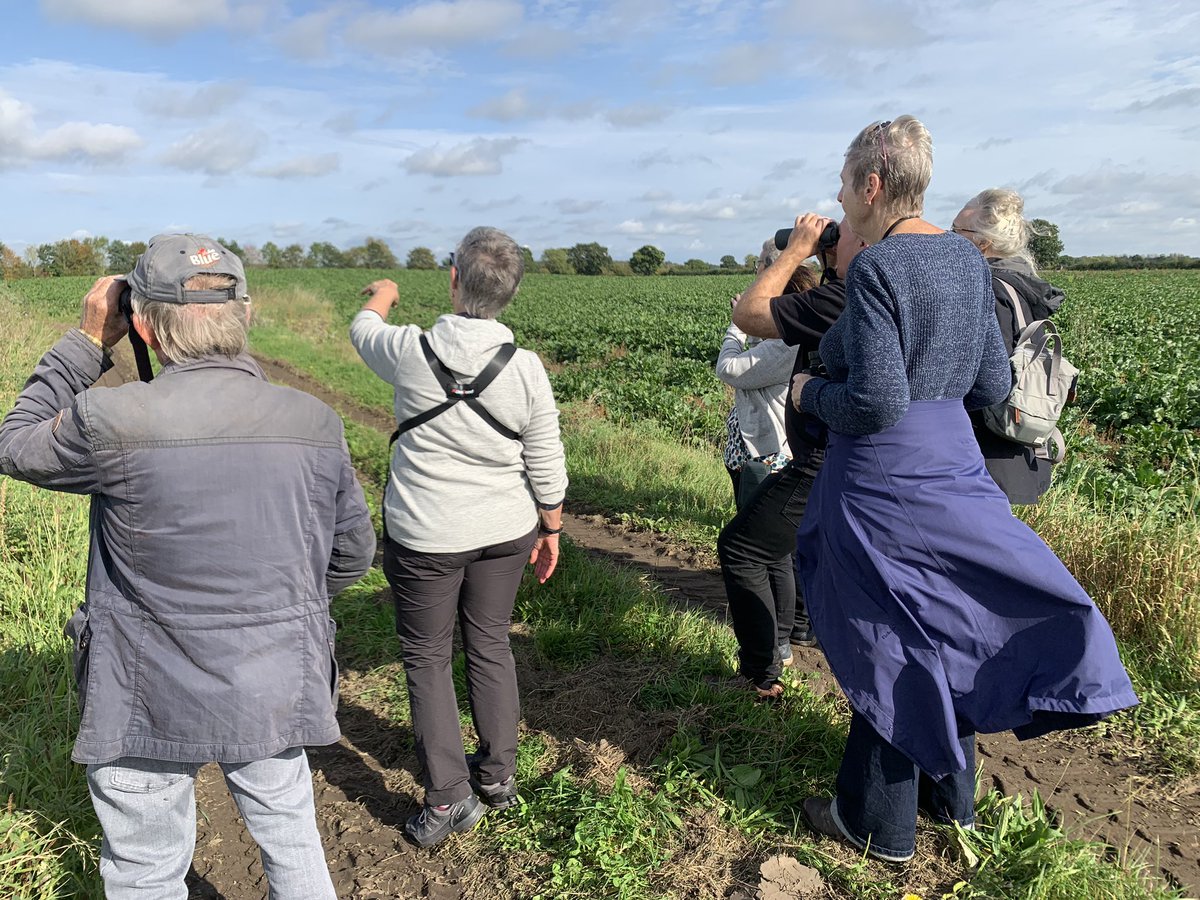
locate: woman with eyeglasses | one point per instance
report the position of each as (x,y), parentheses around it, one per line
(940,613)
(993,220)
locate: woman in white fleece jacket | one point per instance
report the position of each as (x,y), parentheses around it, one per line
(474,491)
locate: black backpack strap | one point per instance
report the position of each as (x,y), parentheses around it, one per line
(458,391)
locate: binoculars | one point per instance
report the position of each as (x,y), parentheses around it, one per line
(827,241)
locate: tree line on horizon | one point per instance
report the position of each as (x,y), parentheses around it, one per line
(100,255)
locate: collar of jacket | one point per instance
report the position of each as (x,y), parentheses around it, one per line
(242,363)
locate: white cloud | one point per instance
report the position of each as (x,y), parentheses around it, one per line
(16,124)
(636,114)
(220,150)
(187,103)
(489,205)
(742,64)
(541,42)
(1184,98)
(433,25)
(22,142)
(83,140)
(637,227)
(307,37)
(665,157)
(571,207)
(152,18)
(302,167)
(707,209)
(481,156)
(505,108)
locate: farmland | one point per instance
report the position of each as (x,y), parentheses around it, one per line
(682,788)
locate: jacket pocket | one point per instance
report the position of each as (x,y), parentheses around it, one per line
(79,630)
(333,663)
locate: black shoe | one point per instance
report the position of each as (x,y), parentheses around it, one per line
(432,825)
(804,638)
(497,796)
(818,814)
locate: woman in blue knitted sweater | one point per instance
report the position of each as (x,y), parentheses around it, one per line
(941,614)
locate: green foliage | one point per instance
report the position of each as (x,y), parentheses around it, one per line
(122,257)
(231,245)
(589,259)
(420,258)
(1044,243)
(378,255)
(72,257)
(729,261)
(555,261)
(323,255)
(1019,851)
(646,260)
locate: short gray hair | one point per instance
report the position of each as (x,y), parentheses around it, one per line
(900,152)
(490,267)
(187,331)
(999,219)
(769,253)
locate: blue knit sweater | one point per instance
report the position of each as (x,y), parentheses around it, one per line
(920,324)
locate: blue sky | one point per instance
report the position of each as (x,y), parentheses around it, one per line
(699,127)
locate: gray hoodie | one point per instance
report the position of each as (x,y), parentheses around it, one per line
(457,484)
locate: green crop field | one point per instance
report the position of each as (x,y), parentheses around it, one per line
(643,417)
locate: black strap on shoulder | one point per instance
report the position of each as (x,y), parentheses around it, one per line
(457,391)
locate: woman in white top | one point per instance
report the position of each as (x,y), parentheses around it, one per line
(760,373)
(475,490)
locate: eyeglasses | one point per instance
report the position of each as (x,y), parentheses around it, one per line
(452,259)
(958,230)
(883,127)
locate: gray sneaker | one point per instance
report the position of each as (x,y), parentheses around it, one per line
(785,654)
(804,638)
(497,796)
(432,825)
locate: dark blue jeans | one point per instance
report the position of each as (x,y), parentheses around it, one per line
(754,548)
(880,790)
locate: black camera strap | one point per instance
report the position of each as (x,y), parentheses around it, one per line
(458,392)
(141,354)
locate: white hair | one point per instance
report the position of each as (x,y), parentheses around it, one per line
(999,219)
(187,331)
(900,152)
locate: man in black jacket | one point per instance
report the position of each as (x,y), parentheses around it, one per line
(764,530)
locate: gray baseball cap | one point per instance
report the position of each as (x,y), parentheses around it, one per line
(171,260)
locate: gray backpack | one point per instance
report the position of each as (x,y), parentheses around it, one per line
(1043,383)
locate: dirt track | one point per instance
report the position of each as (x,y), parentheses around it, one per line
(365,785)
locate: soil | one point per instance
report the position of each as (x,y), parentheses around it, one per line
(365,786)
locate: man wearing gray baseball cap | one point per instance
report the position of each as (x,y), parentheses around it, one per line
(225,514)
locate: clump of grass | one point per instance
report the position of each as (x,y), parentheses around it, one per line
(30,856)
(646,476)
(1143,572)
(297,309)
(1019,851)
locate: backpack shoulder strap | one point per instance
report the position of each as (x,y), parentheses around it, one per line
(495,365)
(457,390)
(1015,300)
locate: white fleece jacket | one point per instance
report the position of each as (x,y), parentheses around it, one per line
(456,483)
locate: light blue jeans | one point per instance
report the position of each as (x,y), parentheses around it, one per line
(147,809)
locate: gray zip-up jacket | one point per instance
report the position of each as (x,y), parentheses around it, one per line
(225,512)
(761,376)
